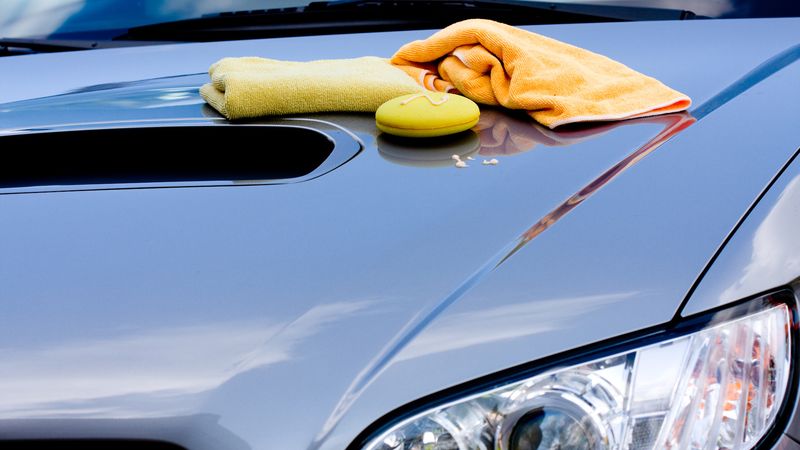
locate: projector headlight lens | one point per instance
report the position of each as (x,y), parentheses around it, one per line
(717,388)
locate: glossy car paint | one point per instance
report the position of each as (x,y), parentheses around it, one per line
(294,315)
(763,253)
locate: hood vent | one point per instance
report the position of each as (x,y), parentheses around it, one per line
(171,155)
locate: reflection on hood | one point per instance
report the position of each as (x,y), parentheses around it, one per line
(163,365)
(505,322)
(776,249)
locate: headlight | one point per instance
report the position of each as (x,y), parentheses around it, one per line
(717,387)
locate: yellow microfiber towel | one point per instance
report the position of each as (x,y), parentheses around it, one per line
(253,87)
(557,83)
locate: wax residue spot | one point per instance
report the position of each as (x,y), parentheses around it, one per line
(490,162)
(459,163)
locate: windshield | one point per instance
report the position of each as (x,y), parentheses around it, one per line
(98,19)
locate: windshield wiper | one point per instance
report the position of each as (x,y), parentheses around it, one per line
(24,46)
(353,16)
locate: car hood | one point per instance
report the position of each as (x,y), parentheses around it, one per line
(293,314)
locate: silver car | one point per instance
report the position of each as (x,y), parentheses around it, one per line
(171,280)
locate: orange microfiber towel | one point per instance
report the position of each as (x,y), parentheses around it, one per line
(557,83)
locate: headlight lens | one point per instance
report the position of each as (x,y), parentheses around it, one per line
(717,388)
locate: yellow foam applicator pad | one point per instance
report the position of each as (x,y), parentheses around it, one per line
(427,114)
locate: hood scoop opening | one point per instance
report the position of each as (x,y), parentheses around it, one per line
(172,155)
